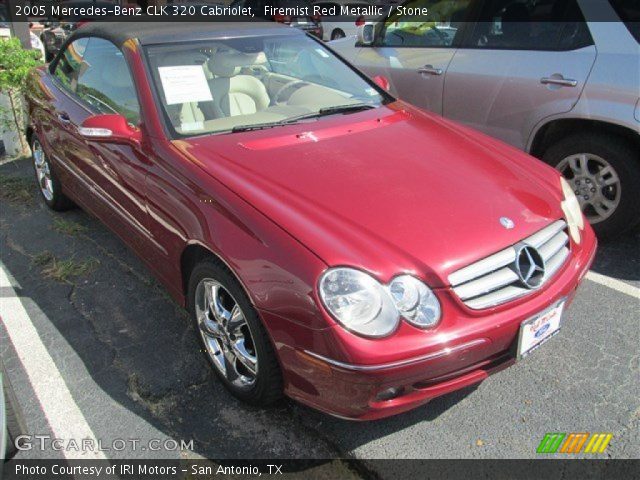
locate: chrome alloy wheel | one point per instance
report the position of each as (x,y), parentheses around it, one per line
(226,333)
(595,183)
(43,171)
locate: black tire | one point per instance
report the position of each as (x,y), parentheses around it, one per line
(336,34)
(268,386)
(58,201)
(623,158)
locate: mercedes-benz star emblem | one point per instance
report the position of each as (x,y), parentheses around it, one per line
(507,223)
(529,266)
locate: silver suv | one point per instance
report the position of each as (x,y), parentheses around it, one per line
(559,79)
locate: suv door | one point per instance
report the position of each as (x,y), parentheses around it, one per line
(522,62)
(414,54)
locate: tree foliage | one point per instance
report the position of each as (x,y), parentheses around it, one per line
(15,64)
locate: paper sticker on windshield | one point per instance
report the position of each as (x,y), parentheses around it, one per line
(184,84)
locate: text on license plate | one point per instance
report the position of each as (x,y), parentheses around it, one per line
(538,329)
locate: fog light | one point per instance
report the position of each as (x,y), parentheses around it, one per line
(389,393)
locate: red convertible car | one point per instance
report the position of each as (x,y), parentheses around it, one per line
(331,242)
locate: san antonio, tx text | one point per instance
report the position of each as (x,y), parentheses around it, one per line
(125,469)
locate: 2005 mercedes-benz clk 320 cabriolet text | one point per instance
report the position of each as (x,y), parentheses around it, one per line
(331,242)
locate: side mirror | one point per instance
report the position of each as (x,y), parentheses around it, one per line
(110,128)
(366,34)
(382,82)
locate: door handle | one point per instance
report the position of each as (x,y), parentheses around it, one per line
(559,80)
(64,118)
(430,70)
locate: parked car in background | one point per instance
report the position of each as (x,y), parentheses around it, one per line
(331,243)
(308,23)
(339,25)
(567,91)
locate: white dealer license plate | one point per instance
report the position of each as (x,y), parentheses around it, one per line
(537,330)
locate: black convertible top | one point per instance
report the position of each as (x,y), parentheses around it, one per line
(149,33)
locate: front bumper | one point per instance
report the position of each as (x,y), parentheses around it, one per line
(469,347)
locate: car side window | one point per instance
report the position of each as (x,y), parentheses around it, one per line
(629,13)
(68,67)
(530,25)
(104,81)
(407,31)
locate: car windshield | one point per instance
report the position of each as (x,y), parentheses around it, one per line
(248,83)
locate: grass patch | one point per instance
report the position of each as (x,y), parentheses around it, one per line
(16,189)
(43,258)
(64,270)
(68,227)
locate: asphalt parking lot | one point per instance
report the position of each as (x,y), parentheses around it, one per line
(128,357)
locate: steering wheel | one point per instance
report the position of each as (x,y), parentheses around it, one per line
(287,86)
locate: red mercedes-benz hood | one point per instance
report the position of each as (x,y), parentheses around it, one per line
(387,190)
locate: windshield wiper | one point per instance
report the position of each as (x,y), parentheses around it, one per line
(354,107)
(259,126)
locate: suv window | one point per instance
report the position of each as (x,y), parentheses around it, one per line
(68,66)
(629,13)
(406,31)
(105,83)
(530,25)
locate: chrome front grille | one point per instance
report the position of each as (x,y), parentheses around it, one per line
(494,280)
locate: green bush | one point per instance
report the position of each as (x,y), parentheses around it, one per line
(15,64)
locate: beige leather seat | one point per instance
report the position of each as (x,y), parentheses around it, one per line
(234,93)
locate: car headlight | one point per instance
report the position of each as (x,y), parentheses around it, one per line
(415,301)
(358,302)
(364,306)
(572,211)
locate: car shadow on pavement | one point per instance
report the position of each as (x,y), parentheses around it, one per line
(618,258)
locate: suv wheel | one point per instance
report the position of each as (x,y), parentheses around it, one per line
(48,183)
(235,341)
(604,172)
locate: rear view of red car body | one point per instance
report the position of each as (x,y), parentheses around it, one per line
(444,241)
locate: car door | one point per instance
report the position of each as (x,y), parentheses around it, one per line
(414,54)
(110,177)
(117,171)
(524,61)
